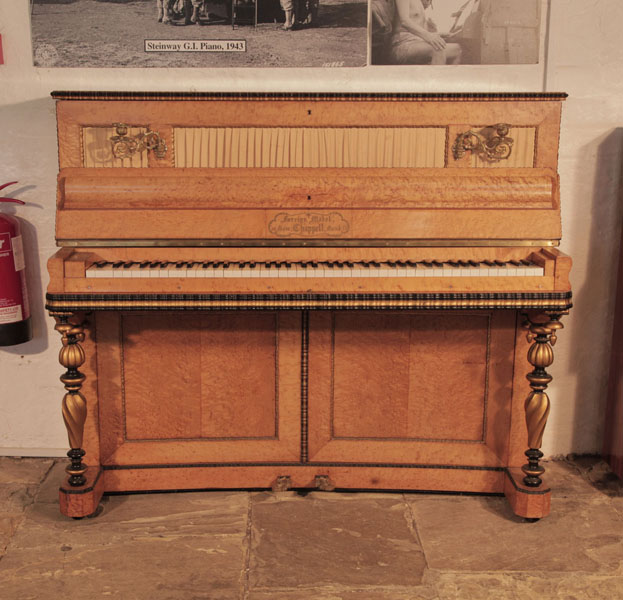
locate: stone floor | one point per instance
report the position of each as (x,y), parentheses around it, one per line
(320,546)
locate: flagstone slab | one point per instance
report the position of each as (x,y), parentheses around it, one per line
(15,497)
(23,470)
(48,490)
(332,539)
(481,534)
(183,568)
(144,516)
(567,480)
(525,586)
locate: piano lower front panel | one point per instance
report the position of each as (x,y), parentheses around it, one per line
(379,399)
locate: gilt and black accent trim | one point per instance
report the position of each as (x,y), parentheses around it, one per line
(82,490)
(523,490)
(216,96)
(304,387)
(558,301)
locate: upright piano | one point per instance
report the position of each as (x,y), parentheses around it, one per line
(326,291)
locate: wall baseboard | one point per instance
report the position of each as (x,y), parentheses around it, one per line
(34,452)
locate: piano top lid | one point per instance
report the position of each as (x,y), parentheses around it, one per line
(439,96)
(140,168)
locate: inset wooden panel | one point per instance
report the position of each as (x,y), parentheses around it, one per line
(398,376)
(370,373)
(413,388)
(290,147)
(161,376)
(97,148)
(239,358)
(180,388)
(200,376)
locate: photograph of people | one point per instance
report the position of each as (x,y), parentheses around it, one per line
(416,39)
(452,32)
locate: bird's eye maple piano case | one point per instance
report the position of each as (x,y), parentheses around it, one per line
(307,291)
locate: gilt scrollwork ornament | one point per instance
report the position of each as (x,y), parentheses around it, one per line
(542,333)
(490,144)
(125,146)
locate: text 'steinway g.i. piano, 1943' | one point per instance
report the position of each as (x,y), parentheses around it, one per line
(307,291)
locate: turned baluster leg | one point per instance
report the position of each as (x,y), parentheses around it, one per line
(72,357)
(542,333)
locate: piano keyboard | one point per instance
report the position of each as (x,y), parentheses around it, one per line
(314,269)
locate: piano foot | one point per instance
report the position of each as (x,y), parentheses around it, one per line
(82,501)
(528,502)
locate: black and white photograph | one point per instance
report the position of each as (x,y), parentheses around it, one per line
(455,32)
(199,33)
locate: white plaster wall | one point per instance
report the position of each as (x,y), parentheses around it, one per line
(582,55)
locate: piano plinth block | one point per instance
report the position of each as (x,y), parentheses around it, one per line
(527,502)
(83,500)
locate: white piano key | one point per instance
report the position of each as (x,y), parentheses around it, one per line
(401,271)
(345,272)
(134,271)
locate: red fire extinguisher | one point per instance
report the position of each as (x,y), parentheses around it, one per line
(15,325)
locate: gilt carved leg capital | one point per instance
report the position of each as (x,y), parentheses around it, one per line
(542,333)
